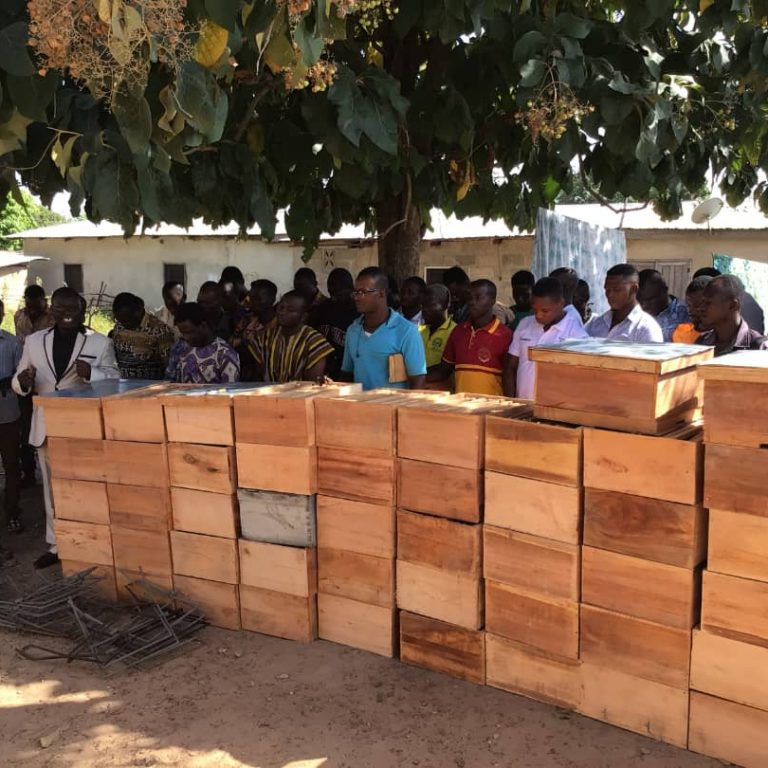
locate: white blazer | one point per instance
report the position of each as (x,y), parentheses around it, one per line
(92,347)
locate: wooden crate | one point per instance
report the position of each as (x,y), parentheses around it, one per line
(359,625)
(199,419)
(356,526)
(277,468)
(77,459)
(664,531)
(635,646)
(734,479)
(648,590)
(631,387)
(143,464)
(278,518)
(105,588)
(451,492)
(137,416)
(643,706)
(275,613)
(205,557)
(735,607)
(365,578)
(536,450)
(219,602)
(290,570)
(202,467)
(84,542)
(439,594)
(532,563)
(728,731)
(538,508)
(544,623)
(450,431)
(136,506)
(140,585)
(737,544)
(730,669)
(520,669)
(356,474)
(212,514)
(668,467)
(80,500)
(442,647)
(148,552)
(75,414)
(732,386)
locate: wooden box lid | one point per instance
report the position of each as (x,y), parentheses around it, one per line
(748,366)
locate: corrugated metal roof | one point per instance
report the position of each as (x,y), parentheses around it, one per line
(746,217)
(15,259)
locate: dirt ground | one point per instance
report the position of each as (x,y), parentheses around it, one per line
(242,699)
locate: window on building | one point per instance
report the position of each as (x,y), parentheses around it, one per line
(73,277)
(434,275)
(676,274)
(176,273)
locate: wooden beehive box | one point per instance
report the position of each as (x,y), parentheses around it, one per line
(647,388)
(136,415)
(74,458)
(733,385)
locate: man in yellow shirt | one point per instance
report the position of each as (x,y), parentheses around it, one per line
(435,331)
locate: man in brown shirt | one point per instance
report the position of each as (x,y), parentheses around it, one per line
(34,315)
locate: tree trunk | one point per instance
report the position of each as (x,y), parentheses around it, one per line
(399,238)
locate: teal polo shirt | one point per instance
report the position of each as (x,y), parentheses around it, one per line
(366,357)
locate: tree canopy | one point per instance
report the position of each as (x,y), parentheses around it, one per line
(378,111)
(20,214)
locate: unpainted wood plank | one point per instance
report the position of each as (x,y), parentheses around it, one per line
(520,669)
(76,459)
(359,625)
(140,585)
(532,563)
(446,595)
(278,518)
(444,544)
(275,420)
(220,602)
(140,507)
(648,590)
(277,468)
(365,578)
(442,647)
(84,542)
(451,492)
(358,475)
(738,543)
(72,417)
(205,557)
(141,551)
(534,450)
(643,706)
(134,419)
(211,514)
(538,508)
(202,467)
(105,588)
(452,439)
(356,526)
(541,622)
(366,424)
(80,500)
(199,420)
(735,606)
(635,646)
(278,614)
(653,529)
(734,479)
(730,416)
(144,464)
(292,570)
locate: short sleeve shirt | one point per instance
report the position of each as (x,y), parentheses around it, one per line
(435,343)
(638,326)
(478,356)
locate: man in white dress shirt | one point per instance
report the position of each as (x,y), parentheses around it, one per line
(549,324)
(625,320)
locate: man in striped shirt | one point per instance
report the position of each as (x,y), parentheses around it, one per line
(291,350)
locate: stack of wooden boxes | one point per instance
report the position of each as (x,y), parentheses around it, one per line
(644,542)
(729,668)
(277,463)
(532,558)
(440,450)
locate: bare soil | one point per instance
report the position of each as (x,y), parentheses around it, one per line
(242,699)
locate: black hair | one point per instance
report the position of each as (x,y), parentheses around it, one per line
(191,312)
(415,280)
(652,277)
(569,279)
(65,292)
(699,283)
(624,271)
(583,284)
(232,275)
(727,285)
(548,288)
(487,285)
(455,275)
(523,277)
(170,285)
(34,292)
(379,276)
(707,272)
(438,292)
(341,278)
(296,295)
(305,272)
(126,301)
(264,285)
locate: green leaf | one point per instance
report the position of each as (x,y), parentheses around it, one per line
(345,95)
(32,95)
(387,87)
(615,109)
(204,104)
(528,45)
(132,113)
(379,124)
(573,26)
(647,149)
(261,207)
(223,12)
(61,154)
(113,190)
(311,47)
(14,56)
(13,133)
(532,72)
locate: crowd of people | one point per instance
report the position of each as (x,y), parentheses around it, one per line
(454,335)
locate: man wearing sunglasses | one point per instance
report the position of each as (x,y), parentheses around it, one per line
(381,348)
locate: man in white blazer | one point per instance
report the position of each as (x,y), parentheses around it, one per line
(62,357)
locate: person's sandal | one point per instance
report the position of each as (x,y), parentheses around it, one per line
(15,525)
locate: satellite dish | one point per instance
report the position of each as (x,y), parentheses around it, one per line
(707,210)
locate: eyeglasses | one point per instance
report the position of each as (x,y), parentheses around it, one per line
(364,291)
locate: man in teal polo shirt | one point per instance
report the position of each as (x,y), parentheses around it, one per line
(378,335)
